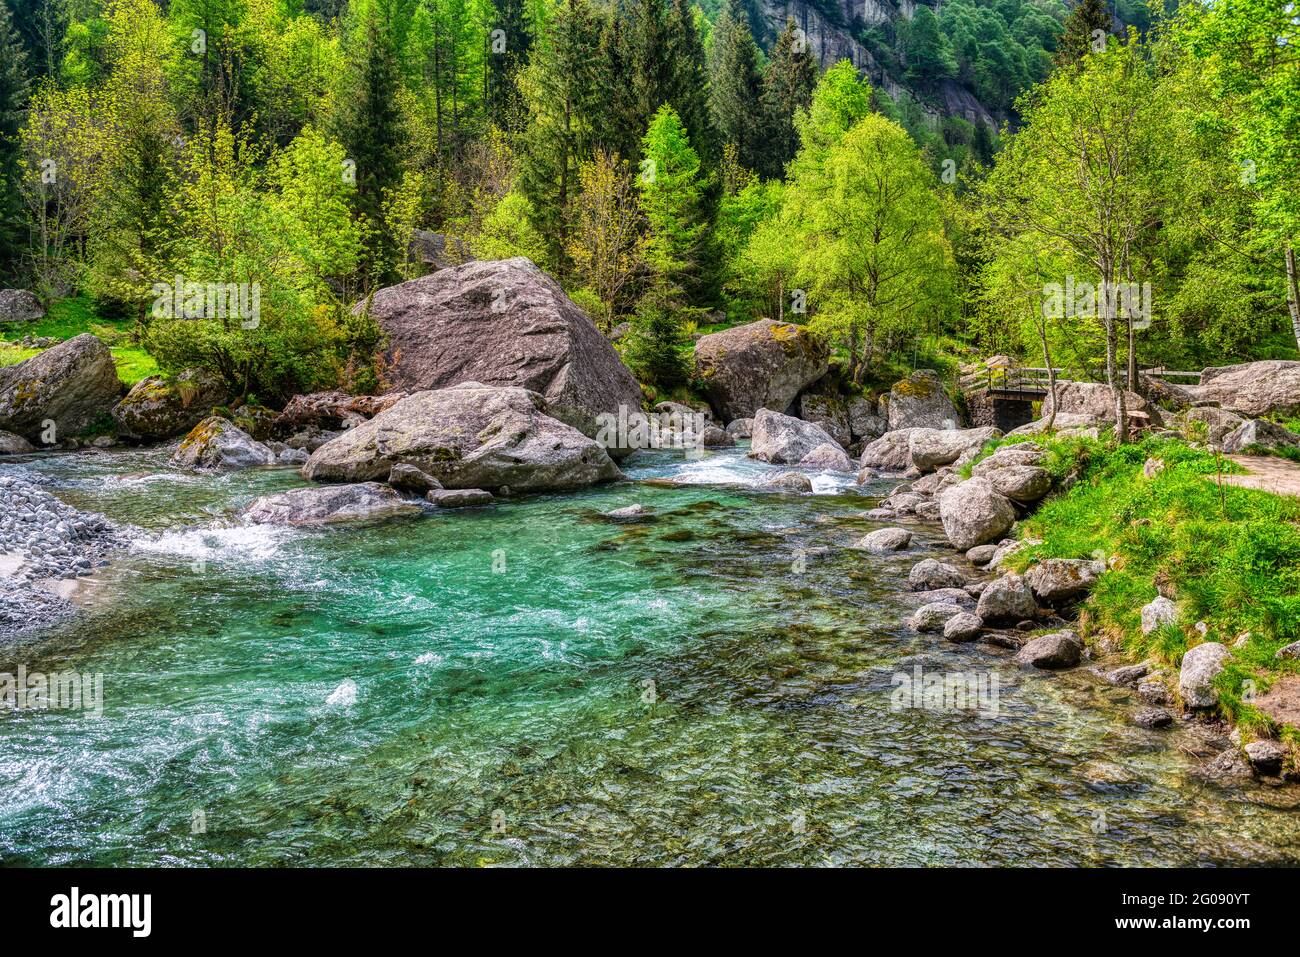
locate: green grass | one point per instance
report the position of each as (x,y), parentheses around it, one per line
(1232,555)
(71,317)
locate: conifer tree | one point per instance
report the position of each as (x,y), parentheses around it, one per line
(13,107)
(1078,38)
(788,85)
(734,85)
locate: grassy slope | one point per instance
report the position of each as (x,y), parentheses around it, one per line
(1232,555)
(71,317)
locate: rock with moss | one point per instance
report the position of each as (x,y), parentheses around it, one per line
(218,445)
(920,402)
(830,412)
(761,365)
(20,305)
(158,408)
(60,392)
(468,436)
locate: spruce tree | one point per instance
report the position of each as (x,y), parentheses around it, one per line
(930,58)
(13,105)
(505,65)
(1076,40)
(370,127)
(788,84)
(734,84)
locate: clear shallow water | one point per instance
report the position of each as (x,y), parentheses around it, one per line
(504,661)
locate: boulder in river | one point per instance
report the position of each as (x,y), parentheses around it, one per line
(218,445)
(157,408)
(891,452)
(332,411)
(783,439)
(974,513)
(830,412)
(884,540)
(740,428)
(1253,388)
(412,479)
(786,482)
(963,627)
(932,448)
(72,385)
(934,616)
(504,324)
(1007,599)
(327,504)
(827,457)
(11,444)
(931,573)
(1060,649)
(469,436)
(919,401)
(460,497)
(1201,665)
(761,365)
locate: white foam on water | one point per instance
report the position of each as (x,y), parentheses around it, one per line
(344,696)
(429,658)
(236,543)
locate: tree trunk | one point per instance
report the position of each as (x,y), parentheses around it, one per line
(1293,293)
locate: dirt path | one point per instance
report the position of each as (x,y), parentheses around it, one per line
(1266,472)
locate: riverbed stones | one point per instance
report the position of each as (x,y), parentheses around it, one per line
(760,365)
(468,436)
(329,504)
(1253,388)
(963,627)
(59,392)
(504,324)
(827,458)
(1266,757)
(1153,689)
(890,453)
(1060,649)
(1157,613)
(931,573)
(933,616)
(1153,718)
(981,554)
(740,428)
(1201,665)
(919,401)
(218,445)
(1129,674)
(785,440)
(1057,580)
(460,497)
(629,514)
(975,513)
(20,305)
(1007,599)
(884,540)
(930,449)
(158,408)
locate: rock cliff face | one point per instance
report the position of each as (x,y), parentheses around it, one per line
(831,27)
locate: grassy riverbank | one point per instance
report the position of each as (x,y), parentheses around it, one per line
(71,317)
(1230,557)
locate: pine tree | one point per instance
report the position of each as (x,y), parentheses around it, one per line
(1078,38)
(788,85)
(13,106)
(688,91)
(563,96)
(930,58)
(734,84)
(516,40)
(370,127)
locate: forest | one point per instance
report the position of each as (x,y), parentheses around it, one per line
(673,173)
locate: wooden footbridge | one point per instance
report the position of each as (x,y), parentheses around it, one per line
(1013,391)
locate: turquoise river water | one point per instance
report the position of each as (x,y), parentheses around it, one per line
(529,684)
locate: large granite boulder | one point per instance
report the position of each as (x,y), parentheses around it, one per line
(762,365)
(866,421)
(327,504)
(158,408)
(73,385)
(1218,423)
(11,444)
(1056,580)
(827,457)
(785,440)
(331,411)
(469,436)
(1060,649)
(831,413)
(1007,599)
(975,513)
(1257,434)
(505,324)
(920,402)
(218,445)
(1095,403)
(892,452)
(933,448)
(19,305)
(1253,388)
